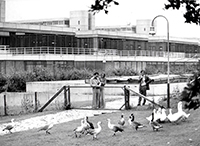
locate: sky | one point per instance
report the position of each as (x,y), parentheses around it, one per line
(128,11)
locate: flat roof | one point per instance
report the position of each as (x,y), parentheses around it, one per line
(30,28)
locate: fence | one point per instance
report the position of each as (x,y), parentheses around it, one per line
(91,51)
(20,103)
(79,97)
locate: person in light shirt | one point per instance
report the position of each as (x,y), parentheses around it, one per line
(144,82)
(95,84)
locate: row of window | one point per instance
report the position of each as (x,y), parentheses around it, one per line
(51,40)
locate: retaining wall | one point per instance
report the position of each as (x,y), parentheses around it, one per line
(25,102)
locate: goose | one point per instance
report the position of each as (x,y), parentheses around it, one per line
(163,115)
(95,131)
(174,118)
(156,116)
(87,125)
(180,110)
(79,129)
(154,124)
(121,122)
(10,126)
(114,128)
(47,127)
(135,124)
(90,125)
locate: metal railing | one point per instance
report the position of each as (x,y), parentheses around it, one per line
(90,51)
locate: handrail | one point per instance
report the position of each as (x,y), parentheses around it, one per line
(45,50)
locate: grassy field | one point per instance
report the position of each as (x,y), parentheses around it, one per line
(184,134)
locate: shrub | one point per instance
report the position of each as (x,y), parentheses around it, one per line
(3,80)
(16,83)
(41,74)
(27,105)
(124,72)
(73,74)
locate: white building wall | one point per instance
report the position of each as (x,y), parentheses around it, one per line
(143,26)
(82,20)
(2,10)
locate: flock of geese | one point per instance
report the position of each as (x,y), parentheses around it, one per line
(155,120)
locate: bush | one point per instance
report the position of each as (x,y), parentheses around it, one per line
(40,74)
(73,74)
(124,72)
(16,83)
(3,80)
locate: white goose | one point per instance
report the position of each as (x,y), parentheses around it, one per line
(174,118)
(156,116)
(10,126)
(95,131)
(48,127)
(163,115)
(79,129)
(179,115)
(180,110)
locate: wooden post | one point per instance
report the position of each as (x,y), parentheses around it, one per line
(69,102)
(139,94)
(36,102)
(5,106)
(65,97)
(126,98)
(50,100)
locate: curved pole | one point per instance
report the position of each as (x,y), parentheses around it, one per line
(168,68)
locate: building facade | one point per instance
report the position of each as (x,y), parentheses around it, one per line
(76,42)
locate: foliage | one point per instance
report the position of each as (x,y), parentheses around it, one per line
(17,81)
(2,83)
(124,72)
(102,5)
(27,105)
(154,70)
(40,74)
(191,15)
(73,74)
(192,9)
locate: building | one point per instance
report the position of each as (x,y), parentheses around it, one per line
(76,42)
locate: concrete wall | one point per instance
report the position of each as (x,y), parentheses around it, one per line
(82,20)
(143,26)
(2,10)
(79,92)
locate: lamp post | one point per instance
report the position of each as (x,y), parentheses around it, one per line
(152,32)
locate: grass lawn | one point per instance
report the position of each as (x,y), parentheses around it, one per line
(184,134)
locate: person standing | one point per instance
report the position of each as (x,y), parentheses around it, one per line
(144,82)
(95,84)
(102,94)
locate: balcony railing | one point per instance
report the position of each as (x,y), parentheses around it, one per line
(91,51)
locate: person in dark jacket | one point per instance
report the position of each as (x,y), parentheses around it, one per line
(144,82)
(102,94)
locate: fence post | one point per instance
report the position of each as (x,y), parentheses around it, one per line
(36,105)
(65,97)
(69,102)
(5,106)
(126,97)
